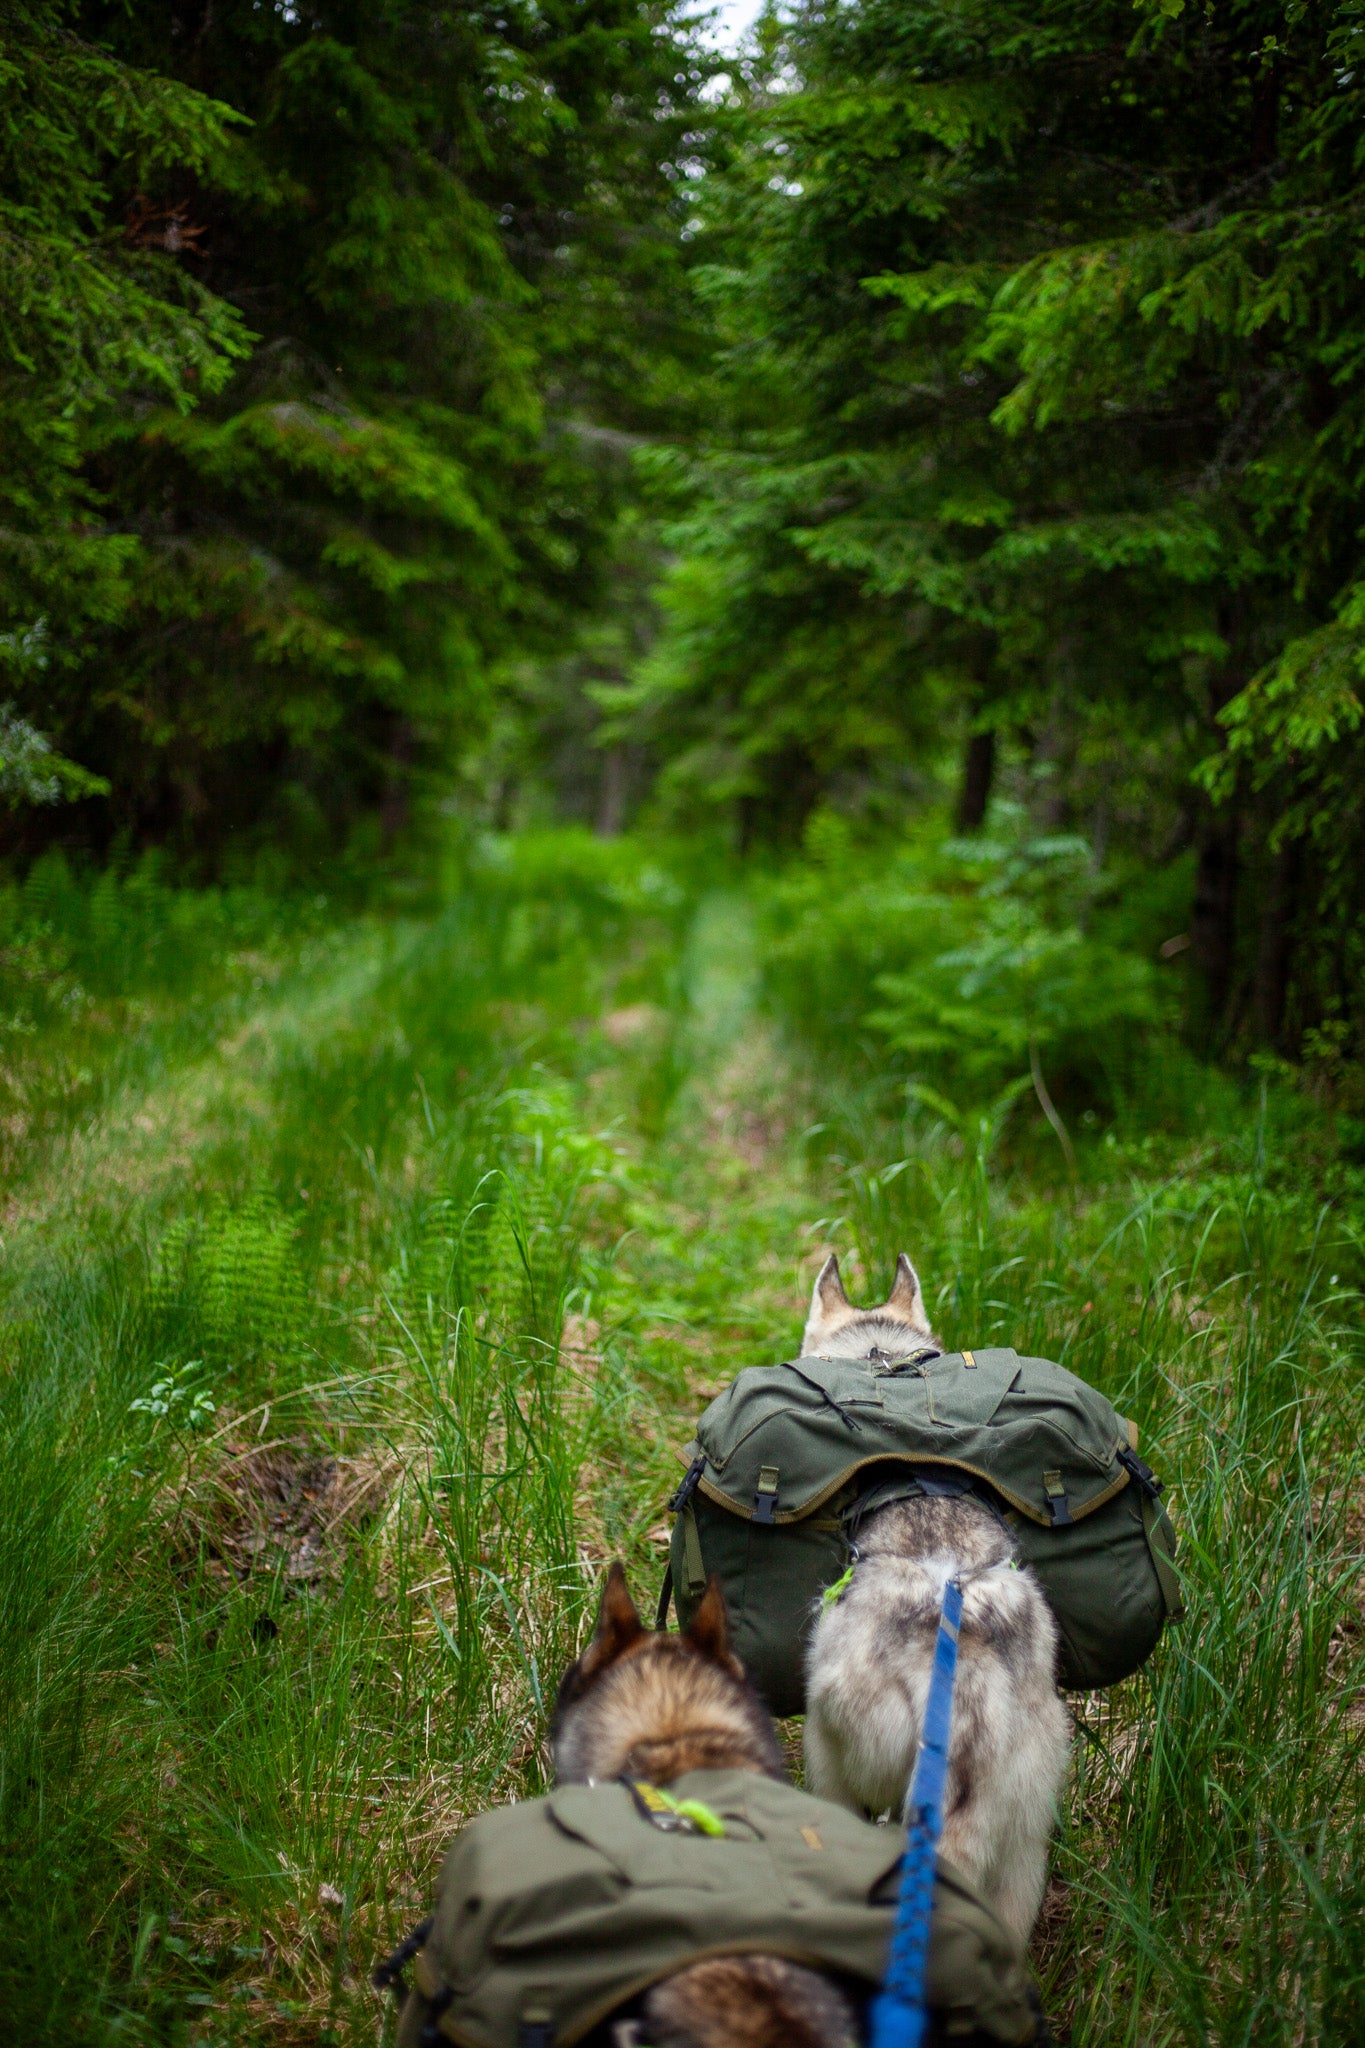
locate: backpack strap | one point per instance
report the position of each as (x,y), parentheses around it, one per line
(915,1482)
(1058,1506)
(1157,1529)
(681,1505)
(388,1975)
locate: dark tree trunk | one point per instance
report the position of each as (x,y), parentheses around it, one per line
(978,774)
(1213,920)
(395,807)
(611,798)
(1213,913)
(1275,944)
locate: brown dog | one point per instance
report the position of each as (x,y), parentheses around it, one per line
(655,1706)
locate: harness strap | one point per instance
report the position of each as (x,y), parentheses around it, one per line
(388,1976)
(898,2013)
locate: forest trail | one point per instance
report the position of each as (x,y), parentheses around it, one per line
(181,1101)
(366,1320)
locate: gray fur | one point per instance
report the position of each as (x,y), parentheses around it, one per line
(870,1654)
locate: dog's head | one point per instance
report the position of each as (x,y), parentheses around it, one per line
(646,1704)
(835,1329)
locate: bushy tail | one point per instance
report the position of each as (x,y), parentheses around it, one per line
(748,2002)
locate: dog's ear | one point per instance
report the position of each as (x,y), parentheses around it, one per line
(709,1629)
(827,1295)
(619,1626)
(906,1295)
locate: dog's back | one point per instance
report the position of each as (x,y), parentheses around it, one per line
(871,1652)
(654,1706)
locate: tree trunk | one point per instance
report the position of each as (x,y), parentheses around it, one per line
(1213,920)
(1213,913)
(978,774)
(1275,944)
(611,798)
(395,806)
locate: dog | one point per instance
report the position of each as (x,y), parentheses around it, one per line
(650,1705)
(870,1654)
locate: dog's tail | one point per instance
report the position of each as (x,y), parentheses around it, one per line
(748,2002)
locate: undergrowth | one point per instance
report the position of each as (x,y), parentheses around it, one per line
(355,1318)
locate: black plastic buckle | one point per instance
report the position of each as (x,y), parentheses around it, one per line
(1144,1475)
(687,1485)
(1058,1506)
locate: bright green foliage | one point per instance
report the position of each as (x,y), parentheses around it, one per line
(1042,419)
(361,1319)
(967,962)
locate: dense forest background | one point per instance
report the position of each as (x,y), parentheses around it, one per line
(629,658)
(506,410)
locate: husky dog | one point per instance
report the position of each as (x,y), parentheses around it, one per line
(654,1706)
(870,1654)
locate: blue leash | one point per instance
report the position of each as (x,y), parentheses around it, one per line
(899,2013)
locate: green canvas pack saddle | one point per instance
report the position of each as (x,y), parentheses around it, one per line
(553,1914)
(789,1457)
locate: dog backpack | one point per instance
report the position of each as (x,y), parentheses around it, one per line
(789,1457)
(553,1914)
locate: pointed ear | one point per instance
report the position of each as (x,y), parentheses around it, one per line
(906,1295)
(619,1627)
(827,1295)
(709,1629)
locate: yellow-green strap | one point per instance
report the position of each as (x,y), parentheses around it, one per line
(693,1560)
(833,1594)
(655,1801)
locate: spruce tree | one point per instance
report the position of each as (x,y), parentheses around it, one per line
(450,235)
(1043,400)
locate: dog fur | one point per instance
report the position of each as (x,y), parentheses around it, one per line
(868,1664)
(654,1706)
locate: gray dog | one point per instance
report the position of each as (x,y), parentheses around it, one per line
(870,1655)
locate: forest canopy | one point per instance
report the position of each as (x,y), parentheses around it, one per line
(945,404)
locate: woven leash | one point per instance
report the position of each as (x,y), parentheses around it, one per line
(899,2013)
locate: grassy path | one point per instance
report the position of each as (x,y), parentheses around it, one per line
(346,1340)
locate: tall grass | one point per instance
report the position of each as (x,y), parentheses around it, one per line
(357,1318)
(1208,1880)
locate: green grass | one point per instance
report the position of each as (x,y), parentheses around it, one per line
(362,1277)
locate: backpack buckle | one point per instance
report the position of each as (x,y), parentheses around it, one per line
(765,1496)
(1144,1475)
(1059,1507)
(687,1485)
